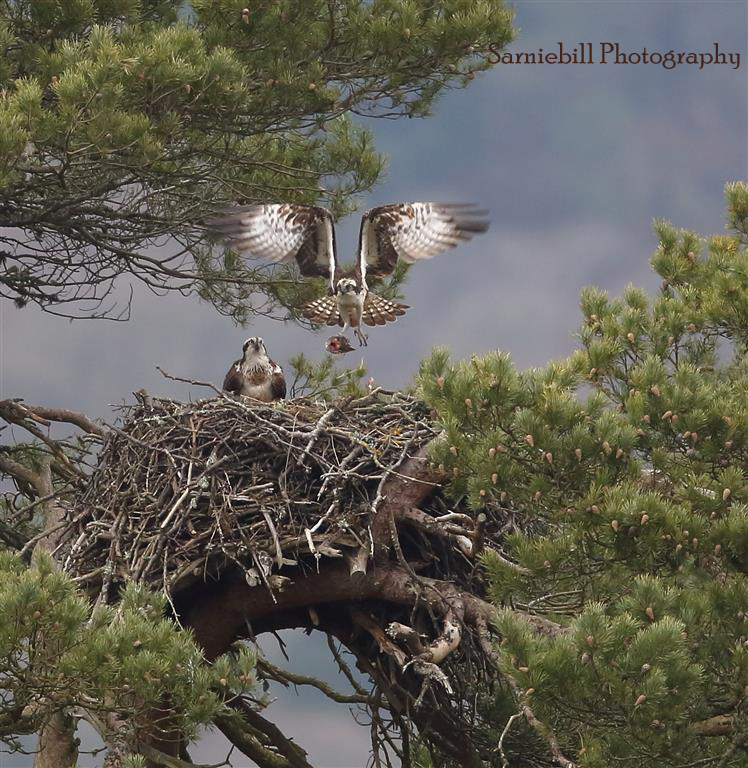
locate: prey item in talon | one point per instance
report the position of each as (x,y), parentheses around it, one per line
(338,345)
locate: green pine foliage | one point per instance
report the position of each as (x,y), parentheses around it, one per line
(623,472)
(124,124)
(323,379)
(118,662)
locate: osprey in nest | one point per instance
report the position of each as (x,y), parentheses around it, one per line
(409,231)
(256,375)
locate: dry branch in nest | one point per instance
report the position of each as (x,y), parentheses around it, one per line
(254,518)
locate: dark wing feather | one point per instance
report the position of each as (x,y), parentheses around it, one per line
(233,380)
(380,311)
(323,311)
(280,232)
(277,382)
(413,231)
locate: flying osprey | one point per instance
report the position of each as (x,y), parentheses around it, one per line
(256,375)
(408,231)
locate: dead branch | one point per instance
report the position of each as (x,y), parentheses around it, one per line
(457,536)
(18,412)
(20,472)
(284,677)
(405,486)
(286,754)
(383,641)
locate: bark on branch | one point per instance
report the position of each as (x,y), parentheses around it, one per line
(284,677)
(406,486)
(17,412)
(719,725)
(247,739)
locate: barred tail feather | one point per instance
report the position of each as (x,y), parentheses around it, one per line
(323,311)
(379,311)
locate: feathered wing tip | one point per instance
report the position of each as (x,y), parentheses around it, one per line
(466,218)
(323,311)
(380,311)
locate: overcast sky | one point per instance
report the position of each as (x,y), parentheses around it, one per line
(573,162)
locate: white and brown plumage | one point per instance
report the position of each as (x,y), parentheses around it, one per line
(255,374)
(411,232)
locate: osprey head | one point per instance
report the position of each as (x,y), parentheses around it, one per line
(254,347)
(346,285)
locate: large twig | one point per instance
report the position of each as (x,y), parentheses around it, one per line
(288,754)
(283,676)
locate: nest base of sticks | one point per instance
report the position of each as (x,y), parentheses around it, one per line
(253,518)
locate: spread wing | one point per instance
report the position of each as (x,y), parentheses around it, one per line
(281,232)
(413,231)
(379,311)
(233,379)
(277,382)
(323,311)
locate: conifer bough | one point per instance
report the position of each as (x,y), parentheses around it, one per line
(124,125)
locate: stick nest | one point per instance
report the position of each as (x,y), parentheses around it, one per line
(188,492)
(184,489)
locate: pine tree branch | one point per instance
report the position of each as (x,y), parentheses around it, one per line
(288,755)
(157,757)
(546,733)
(285,677)
(18,471)
(17,412)
(718,725)
(343,667)
(539,726)
(248,745)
